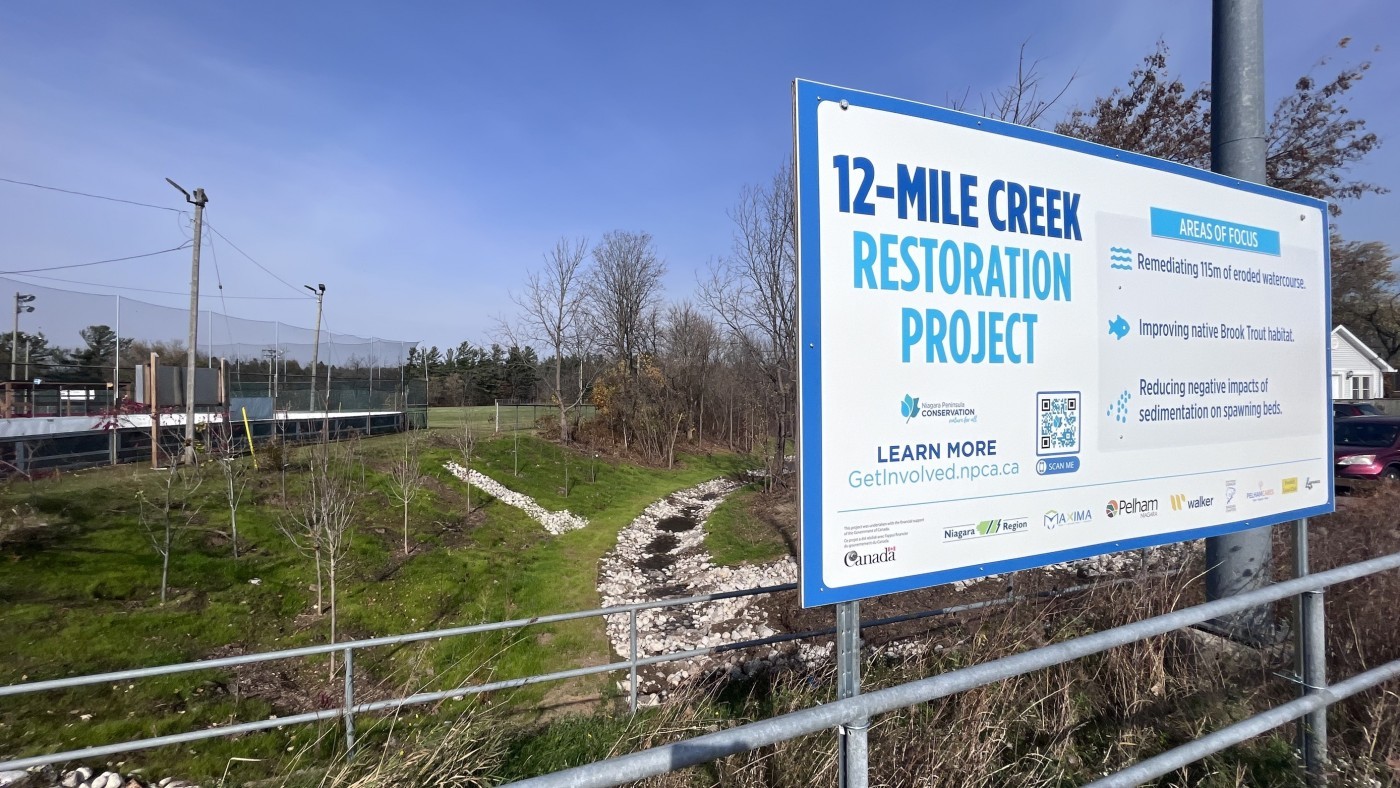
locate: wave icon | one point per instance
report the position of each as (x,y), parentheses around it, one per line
(1121,257)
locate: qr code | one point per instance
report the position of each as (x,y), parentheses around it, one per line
(1058,416)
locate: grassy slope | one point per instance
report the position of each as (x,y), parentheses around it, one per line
(734,535)
(79,594)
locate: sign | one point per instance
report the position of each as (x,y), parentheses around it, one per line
(1018,349)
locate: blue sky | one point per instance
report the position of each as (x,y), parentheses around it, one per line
(417,157)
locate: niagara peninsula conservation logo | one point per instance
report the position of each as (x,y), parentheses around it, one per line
(949,412)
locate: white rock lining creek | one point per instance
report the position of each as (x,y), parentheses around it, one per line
(662,554)
(553,522)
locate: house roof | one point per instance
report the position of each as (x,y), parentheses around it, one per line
(1345,333)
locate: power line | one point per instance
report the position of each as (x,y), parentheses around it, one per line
(149,290)
(96,262)
(93,196)
(219,278)
(264,268)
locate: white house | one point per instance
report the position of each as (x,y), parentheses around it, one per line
(1356,369)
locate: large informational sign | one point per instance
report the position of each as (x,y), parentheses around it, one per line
(1019,349)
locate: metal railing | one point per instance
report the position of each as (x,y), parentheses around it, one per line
(849,715)
(346,713)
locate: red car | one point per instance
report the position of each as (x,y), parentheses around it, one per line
(1367,447)
(1343,409)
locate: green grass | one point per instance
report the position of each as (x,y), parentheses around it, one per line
(79,581)
(735,535)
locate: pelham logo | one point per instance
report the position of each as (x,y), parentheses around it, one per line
(854,558)
(1124,507)
(909,407)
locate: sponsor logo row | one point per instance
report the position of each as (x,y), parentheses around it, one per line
(1119,508)
(1115,508)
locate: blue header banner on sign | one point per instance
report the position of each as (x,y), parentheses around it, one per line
(1213,232)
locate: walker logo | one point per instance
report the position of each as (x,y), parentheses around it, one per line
(1180,502)
(1006,525)
(854,558)
(1290,485)
(1126,506)
(1054,519)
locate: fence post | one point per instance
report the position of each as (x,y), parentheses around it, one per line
(1311,661)
(632,674)
(1315,677)
(349,704)
(851,740)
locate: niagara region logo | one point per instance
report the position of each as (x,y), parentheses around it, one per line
(909,407)
(1004,525)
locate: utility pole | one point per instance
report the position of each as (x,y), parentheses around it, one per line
(271,355)
(320,291)
(198,200)
(21,306)
(1239,562)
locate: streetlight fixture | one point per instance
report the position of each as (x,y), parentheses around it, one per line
(21,306)
(320,292)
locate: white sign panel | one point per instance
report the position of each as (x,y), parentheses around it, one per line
(1019,349)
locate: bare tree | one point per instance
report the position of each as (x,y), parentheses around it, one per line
(1020,102)
(690,342)
(754,293)
(325,516)
(622,291)
(406,478)
(169,509)
(466,446)
(1314,141)
(235,476)
(551,314)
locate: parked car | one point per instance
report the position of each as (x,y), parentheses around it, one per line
(1367,447)
(1344,409)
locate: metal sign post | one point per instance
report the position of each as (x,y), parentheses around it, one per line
(852,749)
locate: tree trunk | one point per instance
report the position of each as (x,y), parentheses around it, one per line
(320,608)
(405,525)
(233,517)
(559,395)
(165,564)
(331,571)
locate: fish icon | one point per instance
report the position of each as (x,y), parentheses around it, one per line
(1118,327)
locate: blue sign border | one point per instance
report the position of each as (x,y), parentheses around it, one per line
(807,96)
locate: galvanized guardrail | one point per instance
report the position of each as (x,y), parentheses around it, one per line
(850,714)
(346,713)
